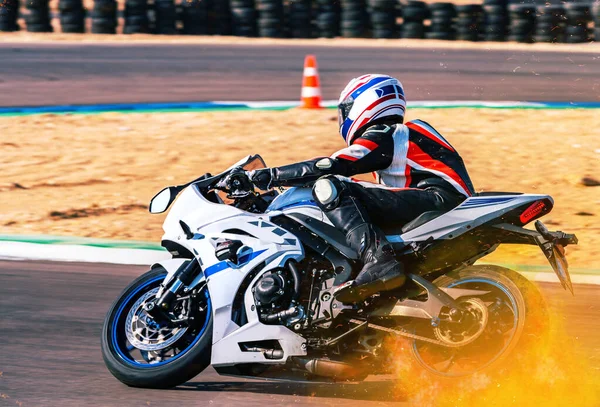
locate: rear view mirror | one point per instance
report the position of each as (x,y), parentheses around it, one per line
(162,200)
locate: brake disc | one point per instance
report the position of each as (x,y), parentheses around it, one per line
(144,332)
(456,335)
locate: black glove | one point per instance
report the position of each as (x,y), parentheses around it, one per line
(261,178)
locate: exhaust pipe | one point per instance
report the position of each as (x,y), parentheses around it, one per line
(330,368)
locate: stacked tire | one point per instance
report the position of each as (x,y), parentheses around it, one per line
(522,22)
(550,23)
(469,22)
(38,16)
(104,17)
(354,19)
(328,19)
(443,16)
(299,19)
(243,18)
(383,18)
(72,16)
(165,17)
(9,12)
(219,18)
(578,18)
(136,17)
(414,14)
(496,20)
(596,17)
(194,17)
(270,18)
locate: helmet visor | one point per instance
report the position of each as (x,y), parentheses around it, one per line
(344,110)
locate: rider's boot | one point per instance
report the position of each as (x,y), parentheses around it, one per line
(381,271)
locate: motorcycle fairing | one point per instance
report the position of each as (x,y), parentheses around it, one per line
(471,213)
(265,244)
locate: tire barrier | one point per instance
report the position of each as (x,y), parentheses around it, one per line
(522,22)
(496,20)
(37,19)
(596,18)
(194,17)
(469,22)
(243,18)
(219,17)
(413,15)
(72,16)
(165,17)
(550,23)
(299,19)
(270,18)
(354,19)
(104,17)
(136,17)
(579,17)
(442,22)
(383,18)
(328,19)
(9,11)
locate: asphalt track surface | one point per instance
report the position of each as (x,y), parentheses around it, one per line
(56,74)
(50,320)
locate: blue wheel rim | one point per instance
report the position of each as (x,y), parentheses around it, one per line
(119,339)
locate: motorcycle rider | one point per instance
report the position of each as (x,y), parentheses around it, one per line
(415,168)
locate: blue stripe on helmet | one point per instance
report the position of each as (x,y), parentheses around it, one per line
(367,85)
(345,127)
(385,90)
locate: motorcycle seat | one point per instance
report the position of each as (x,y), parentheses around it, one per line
(396,229)
(421,220)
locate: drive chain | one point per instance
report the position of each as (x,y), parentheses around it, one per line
(401,332)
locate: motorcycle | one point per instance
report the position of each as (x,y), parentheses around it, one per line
(249,288)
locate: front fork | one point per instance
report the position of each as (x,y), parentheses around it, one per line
(182,278)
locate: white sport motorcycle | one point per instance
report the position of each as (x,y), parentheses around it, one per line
(249,288)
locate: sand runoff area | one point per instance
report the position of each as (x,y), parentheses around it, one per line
(93,175)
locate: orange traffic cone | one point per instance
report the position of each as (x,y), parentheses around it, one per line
(311,87)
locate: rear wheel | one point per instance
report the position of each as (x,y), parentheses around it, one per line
(507,319)
(142,352)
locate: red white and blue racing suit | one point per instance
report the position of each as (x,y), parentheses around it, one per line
(415,168)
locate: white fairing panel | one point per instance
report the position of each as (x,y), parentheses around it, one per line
(471,213)
(263,242)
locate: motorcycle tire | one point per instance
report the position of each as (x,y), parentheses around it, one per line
(532,323)
(165,374)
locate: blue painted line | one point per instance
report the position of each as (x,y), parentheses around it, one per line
(563,105)
(208,105)
(119,107)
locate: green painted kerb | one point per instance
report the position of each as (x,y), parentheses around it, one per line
(82,241)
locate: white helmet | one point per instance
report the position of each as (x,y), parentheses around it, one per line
(366,99)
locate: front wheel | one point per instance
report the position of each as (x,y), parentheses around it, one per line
(142,352)
(512,317)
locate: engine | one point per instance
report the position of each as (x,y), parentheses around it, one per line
(270,289)
(274,298)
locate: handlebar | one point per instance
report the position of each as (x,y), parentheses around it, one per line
(236,184)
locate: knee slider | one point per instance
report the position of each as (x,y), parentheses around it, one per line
(326,191)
